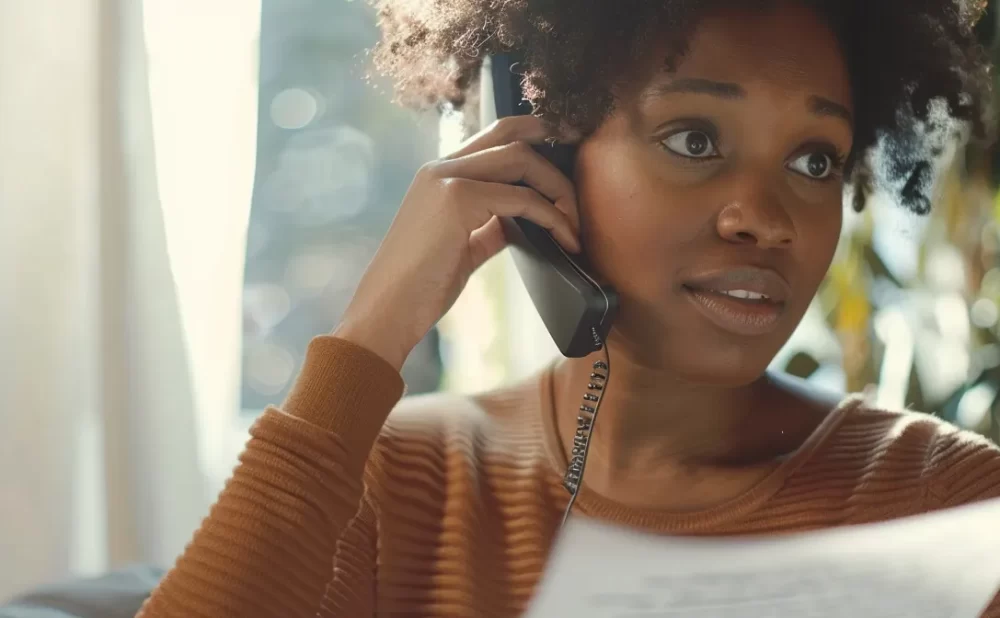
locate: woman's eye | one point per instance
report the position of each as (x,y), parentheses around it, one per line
(691,144)
(814,165)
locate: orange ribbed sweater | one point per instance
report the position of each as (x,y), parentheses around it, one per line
(450,507)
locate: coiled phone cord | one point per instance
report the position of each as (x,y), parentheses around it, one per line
(573,478)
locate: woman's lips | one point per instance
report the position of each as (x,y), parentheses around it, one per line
(744,301)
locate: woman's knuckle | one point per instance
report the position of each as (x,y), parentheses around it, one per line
(429,170)
(507,126)
(522,147)
(452,189)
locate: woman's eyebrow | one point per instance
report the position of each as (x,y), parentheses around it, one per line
(826,107)
(694,85)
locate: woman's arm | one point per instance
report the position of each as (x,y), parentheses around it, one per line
(267,547)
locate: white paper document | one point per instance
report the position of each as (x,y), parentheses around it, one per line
(939,565)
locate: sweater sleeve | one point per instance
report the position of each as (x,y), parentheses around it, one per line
(267,546)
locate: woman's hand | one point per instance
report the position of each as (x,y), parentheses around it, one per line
(448,226)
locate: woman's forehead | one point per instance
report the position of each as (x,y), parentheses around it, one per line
(791,49)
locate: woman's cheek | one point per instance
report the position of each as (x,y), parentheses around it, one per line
(818,215)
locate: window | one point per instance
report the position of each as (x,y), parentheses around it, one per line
(335,157)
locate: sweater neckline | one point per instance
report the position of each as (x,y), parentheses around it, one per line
(592,504)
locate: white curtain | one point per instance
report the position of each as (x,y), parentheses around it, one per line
(100,459)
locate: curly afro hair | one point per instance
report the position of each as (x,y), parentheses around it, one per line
(920,78)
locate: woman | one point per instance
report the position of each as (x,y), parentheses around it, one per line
(716,143)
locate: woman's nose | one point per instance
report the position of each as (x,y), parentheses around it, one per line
(756,217)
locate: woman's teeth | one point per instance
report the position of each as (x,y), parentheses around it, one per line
(743,294)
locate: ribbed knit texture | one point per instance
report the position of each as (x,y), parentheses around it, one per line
(451,506)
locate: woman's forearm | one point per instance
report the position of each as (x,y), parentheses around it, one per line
(268,544)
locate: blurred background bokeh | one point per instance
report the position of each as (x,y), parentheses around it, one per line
(205,182)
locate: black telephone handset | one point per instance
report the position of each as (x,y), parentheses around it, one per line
(576,307)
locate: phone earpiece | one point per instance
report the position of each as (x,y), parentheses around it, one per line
(575,305)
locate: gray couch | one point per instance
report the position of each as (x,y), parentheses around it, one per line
(118,594)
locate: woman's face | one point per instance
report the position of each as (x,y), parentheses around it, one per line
(718,181)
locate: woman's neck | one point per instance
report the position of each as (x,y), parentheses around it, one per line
(698,443)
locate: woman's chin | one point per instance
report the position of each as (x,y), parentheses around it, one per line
(722,376)
(694,351)
(729,366)
(726,366)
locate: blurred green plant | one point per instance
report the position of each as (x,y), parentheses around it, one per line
(927,337)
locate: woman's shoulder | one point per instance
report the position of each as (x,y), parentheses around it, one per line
(956,466)
(877,439)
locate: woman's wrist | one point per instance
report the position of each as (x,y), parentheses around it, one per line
(376,339)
